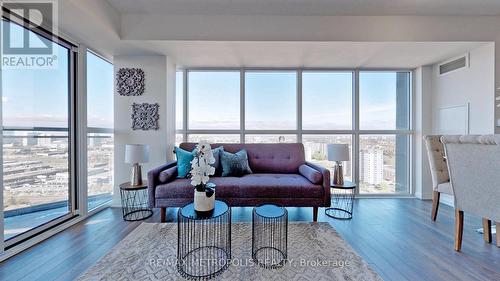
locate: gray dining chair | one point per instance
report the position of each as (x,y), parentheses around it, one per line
(439,171)
(474,169)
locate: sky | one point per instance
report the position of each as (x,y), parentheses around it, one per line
(39,97)
(271,100)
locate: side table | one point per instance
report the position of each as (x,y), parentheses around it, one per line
(135,201)
(203,241)
(269,235)
(343,200)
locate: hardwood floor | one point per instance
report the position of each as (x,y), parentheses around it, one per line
(395,236)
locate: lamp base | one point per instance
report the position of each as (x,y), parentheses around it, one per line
(338,174)
(136,176)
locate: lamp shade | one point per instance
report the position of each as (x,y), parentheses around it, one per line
(338,152)
(136,153)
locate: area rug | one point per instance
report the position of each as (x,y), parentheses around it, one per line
(315,252)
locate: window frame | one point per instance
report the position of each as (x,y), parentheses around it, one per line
(355,131)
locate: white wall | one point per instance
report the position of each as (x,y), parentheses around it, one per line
(158,90)
(474,85)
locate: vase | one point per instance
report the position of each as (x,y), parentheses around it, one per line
(203,203)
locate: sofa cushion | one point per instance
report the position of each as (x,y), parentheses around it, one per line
(313,175)
(249,186)
(168,175)
(234,164)
(281,158)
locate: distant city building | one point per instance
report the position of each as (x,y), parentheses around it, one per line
(30,139)
(371,168)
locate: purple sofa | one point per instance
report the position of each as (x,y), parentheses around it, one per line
(280,175)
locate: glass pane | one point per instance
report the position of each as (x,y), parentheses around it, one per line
(99,92)
(271,100)
(383,163)
(270,138)
(179,138)
(316,151)
(179,98)
(384,100)
(100,144)
(326,100)
(212,138)
(35,178)
(214,100)
(100,169)
(35,163)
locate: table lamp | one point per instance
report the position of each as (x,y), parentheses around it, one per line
(135,154)
(338,153)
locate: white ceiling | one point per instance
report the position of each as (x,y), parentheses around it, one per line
(310,7)
(308,54)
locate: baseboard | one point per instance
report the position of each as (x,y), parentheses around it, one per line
(446,199)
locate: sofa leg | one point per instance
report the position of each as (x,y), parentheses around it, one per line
(435,204)
(163,214)
(315,214)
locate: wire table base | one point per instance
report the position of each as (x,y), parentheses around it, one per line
(269,236)
(204,241)
(134,203)
(342,201)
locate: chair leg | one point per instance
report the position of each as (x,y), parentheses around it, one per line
(315,214)
(459,229)
(435,204)
(487,230)
(163,214)
(498,233)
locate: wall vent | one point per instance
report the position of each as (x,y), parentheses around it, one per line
(454,64)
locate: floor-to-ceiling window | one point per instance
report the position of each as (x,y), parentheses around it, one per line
(368,110)
(384,124)
(37,141)
(43,132)
(100,143)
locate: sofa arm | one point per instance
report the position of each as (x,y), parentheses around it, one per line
(326,182)
(153,180)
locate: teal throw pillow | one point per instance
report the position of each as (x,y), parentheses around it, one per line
(184,159)
(235,164)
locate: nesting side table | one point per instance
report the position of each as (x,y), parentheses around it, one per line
(203,241)
(269,235)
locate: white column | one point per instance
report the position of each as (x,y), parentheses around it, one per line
(170,108)
(423,125)
(155,69)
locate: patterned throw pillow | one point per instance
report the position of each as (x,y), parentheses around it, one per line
(235,165)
